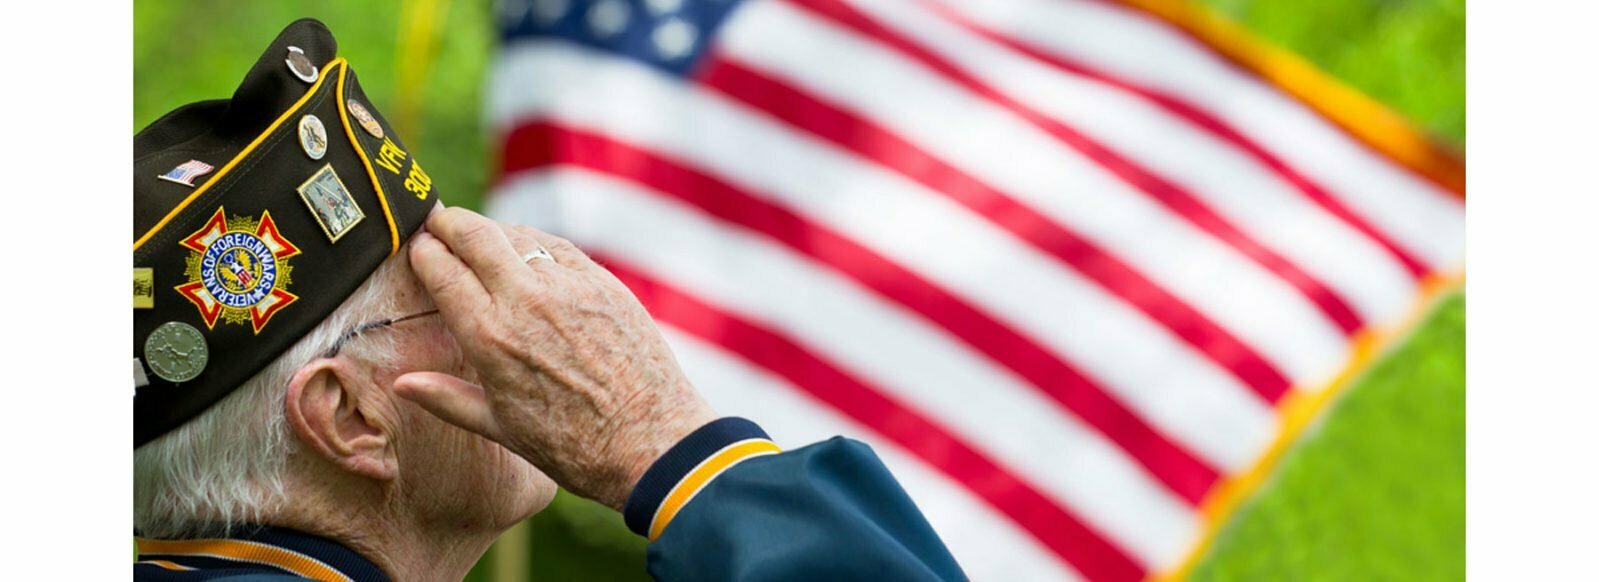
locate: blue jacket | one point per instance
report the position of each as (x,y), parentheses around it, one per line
(723,504)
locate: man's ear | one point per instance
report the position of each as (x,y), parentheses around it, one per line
(325,409)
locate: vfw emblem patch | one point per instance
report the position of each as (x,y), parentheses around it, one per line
(239,270)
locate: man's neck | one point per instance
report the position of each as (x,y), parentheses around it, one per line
(404,547)
(409,552)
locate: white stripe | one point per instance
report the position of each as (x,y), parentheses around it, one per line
(1420,216)
(1238,187)
(914,362)
(1160,377)
(974,532)
(1000,148)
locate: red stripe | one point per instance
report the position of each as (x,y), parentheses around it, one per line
(891,151)
(1174,197)
(541,144)
(1203,120)
(1054,526)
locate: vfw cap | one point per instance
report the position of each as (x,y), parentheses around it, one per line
(254,218)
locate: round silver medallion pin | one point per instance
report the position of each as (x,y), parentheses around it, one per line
(300,65)
(313,137)
(176,352)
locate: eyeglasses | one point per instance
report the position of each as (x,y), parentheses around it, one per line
(369,326)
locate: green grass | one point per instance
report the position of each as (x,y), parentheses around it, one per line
(1376,492)
(1409,54)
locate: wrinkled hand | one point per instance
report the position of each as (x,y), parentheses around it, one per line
(575,376)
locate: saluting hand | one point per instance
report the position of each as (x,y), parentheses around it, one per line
(575,376)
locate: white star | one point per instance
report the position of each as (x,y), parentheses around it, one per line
(674,38)
(664,6)
(549,11)
(511,11)
(607,18)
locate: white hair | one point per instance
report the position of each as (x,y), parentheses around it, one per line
(225,467)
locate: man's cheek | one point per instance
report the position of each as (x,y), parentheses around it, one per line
(433,432)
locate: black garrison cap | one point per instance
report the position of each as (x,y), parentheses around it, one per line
(254,218)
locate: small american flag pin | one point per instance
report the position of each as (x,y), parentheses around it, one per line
(186,172)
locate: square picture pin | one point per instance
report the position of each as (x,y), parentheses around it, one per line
(330,203)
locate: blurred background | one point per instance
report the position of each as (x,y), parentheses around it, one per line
(1375,490)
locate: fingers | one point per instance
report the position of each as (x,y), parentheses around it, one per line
(453,286)
(452,399)
(521,240)
(563,250)
(481,244)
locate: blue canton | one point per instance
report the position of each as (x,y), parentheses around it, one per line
(671,35)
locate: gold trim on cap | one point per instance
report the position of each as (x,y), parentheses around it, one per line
(344,118)
(235,161)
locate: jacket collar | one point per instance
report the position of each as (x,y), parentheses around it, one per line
(293,552)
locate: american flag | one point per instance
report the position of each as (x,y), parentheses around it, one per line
(186,172)
(1077,269)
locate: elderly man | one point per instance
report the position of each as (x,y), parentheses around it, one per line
(379,397)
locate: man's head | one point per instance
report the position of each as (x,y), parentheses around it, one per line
(267,226)
(314,436)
